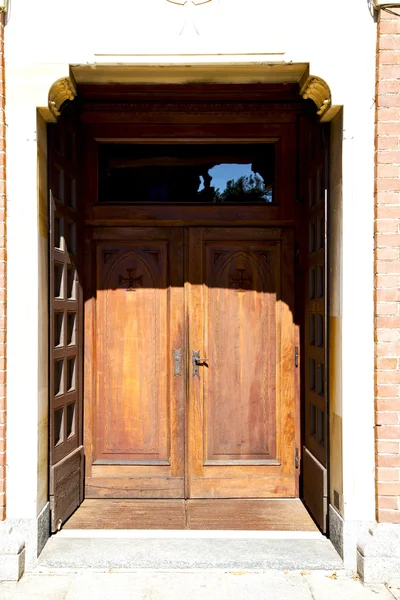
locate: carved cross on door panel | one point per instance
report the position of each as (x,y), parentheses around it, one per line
(242,282)
(132,280)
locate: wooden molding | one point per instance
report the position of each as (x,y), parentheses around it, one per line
(220,108)
(317,90)
(62,90)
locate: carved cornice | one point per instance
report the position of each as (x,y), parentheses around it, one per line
(190,107)
(318,91)
(63,89)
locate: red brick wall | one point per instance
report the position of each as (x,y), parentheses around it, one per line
(3,285)
(387,269)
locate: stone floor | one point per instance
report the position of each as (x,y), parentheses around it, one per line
(196,585)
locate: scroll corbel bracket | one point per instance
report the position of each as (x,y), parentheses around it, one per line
(62,90)
(317,90)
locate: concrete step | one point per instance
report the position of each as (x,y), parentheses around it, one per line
(238,551)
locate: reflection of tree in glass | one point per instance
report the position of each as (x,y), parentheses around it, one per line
(248,188)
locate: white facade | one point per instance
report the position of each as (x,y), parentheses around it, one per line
(336,41)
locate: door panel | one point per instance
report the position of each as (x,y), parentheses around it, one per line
(241,402)
(138,448)
(66,321)
(132,302)
(240,384)
(315,451)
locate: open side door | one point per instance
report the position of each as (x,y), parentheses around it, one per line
(66,321)
(314,183)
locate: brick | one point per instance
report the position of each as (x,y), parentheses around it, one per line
(385,322)
(383,114)
(384,474)
(387,339)
(388,241)
(388,57)
(388,502)
(387,185)
(382,308)
(389,212)
(381,254)
(387,418)
(387,432)
(387,226)
(388,377)
(387,281)
(389,42)
(387,391)
(389,461)
(382,143)
(387,171)
(386,364)
(386,71)
(388,403)
(389,516)
(386,447)
(387,295)
(388,100)
(387,27)
(389,156)
(380,267)
(388,86)
(388,489)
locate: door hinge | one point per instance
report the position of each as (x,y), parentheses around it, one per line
(296,357)
(296,458)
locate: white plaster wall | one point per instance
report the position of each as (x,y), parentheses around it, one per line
(44,37)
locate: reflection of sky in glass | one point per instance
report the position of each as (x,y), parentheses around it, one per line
(223,173)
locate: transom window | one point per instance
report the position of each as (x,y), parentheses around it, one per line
(187,173)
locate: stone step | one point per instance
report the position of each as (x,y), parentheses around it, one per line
(68,553)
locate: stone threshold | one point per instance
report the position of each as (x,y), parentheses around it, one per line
(230,550)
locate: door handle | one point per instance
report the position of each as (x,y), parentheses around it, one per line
(196,360)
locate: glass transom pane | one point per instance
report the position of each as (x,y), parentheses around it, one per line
(204,173)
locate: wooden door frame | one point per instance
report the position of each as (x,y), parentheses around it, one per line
(235,122)
(281,214)
(98,217)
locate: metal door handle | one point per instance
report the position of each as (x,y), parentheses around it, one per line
(196,360)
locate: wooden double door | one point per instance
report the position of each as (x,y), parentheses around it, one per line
(191,387)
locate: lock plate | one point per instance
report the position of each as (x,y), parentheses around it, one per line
(177,362)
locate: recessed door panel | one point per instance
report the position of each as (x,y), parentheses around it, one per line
(133,419)
(241,320)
